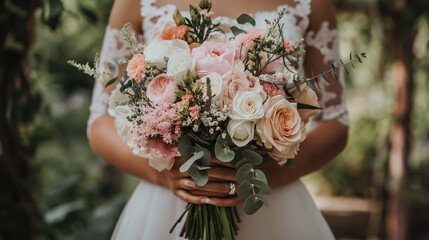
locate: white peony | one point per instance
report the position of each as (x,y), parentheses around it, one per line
(247,106)
(241,131)
(216,84)
(179,64)
(156,52)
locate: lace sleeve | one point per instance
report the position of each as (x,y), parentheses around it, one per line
(322,51)
(114,48)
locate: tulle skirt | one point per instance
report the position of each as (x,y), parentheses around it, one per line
(292,214)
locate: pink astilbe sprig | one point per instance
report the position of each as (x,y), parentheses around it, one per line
(160,122)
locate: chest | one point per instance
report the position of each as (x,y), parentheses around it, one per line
(157,13)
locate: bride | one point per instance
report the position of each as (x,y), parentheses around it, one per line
(160,197)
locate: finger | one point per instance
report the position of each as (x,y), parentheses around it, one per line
(208,194)
(223,173)
(226,202)
(222,188)
(188,197)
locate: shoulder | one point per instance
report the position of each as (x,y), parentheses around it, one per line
(322,11)
(124,11)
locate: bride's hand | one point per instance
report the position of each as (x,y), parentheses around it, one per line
(215,192)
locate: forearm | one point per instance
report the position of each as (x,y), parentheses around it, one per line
(322,145)
(106,142)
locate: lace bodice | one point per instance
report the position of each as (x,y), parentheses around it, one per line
(296,26)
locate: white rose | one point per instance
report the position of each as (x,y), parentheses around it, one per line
(247,106)
(241,131)
(157,50)
(216,84)
(179,64)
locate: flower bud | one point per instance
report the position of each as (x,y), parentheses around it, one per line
(178,18)
(205,4)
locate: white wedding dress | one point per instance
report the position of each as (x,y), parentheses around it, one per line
(292,214)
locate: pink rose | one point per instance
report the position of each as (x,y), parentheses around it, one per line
(136,68)
(213,56)
(237,82)
(162,89)
(281,129)
(309,97)
(273,90)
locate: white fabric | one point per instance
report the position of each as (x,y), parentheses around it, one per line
(292,214)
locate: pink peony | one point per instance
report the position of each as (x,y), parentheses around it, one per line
(213,56)
(281,129)
(162,89)
(136,68)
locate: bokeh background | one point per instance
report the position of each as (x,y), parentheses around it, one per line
(52,186)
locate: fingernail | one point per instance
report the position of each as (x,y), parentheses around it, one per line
(208,201)
(189,183)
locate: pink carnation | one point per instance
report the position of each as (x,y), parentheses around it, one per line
(136,68)
(162,89)
(245,41)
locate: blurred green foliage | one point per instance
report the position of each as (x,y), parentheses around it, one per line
(80,197)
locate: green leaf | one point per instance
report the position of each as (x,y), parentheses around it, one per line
(185,146)
(261,186)
(111,81)
(245,18)
(235,30)
(88,13)
(207,158)
(306,106)
(245,189)
(198,139)
(224,153)
(260,175)
(51,12)
(187,165)
(245,172)
(253,157)
(241,162)
(253,204)
(200,177)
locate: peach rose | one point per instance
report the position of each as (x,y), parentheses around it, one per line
(281,129)
(162,89)
(136,68)
(171,32)
(213,56)
(309,97)
(236,83)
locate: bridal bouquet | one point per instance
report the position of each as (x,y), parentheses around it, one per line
(196,93)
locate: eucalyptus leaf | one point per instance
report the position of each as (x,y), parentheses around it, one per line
(207,158)
(235,30)
(253,204)
(260,175)
(200,177)
(261,186)
(185,146)
(224,153)
(245,172)
(241,162)
(245,189)
(187,165)
(253,157)
(198,139)
(224,139)
(245,18)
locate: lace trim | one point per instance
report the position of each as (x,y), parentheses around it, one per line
(325,41)
(115,48)
(156,17)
